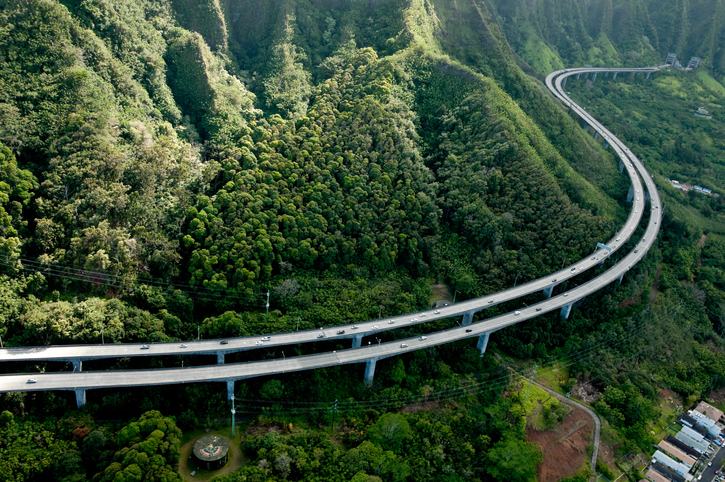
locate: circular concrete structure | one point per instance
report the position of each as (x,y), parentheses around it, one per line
(211,452)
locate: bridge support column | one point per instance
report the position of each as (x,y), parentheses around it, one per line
(586,127)
(483,343)
(80,398)
(621,277)
(467,318)
(563,82)
(586,75)
(614,77)
(577,76)
(220,358)
(606,144)
(357,341)
(566,310)
(77,365)
(630,194)
(548,290)
(648,74)
(594,77)
(596,135)
(646,196)
(230,389)
(370,371)
(621,166)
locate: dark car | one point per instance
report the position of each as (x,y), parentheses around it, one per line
(341,332)
(469,330)
(224,342)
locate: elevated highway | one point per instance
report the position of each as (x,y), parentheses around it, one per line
(83,380)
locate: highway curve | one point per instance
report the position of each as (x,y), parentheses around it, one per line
(229,372)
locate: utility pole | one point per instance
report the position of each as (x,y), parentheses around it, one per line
(568,394)
(102,341)
(234,411)
(298,324)
(334,413)
(454,296)
(1,342)
(198,332)
(380,311)
(283,357)
(267,313)
(517,278)
(530,383)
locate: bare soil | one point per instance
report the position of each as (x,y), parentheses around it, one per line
(701,243)
(417,407)
(629,301)
(439,292)
(564,447)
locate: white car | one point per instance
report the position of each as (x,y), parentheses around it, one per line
(391,322)
(491,300)
(415,319)
(421,315)
(321,335)
(403,345)
(422,338)
(266,338)
(32,380)
(517,312)
(260,343)
(437,312)
(354,327)
(375,327)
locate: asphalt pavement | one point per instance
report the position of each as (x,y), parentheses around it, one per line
(709,473)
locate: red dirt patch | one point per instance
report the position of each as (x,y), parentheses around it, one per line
(564,448)
(629,301)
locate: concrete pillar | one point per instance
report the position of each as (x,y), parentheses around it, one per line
(621,166)
(586,75)
(77,365)
(596,135)
(80,398)
(621,277)
(563,82)
(482,343)
(220,358)
(467,318)
(606,144)
(630,194)
(357,341)
(586,127)
(370,371)
(230,389)
(648,74)
(565,310)
(594,77)
(614,77)
(548,290)
(646,196)
(577,76)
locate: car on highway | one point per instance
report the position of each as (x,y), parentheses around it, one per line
(517,312)
(32,380)
(375,327)
(321,335)
(391,322)
(354,327)
(423,337)
(538,309)
(554,280)
(415,319)
(403,345)
(224,342)
(266,338)
(341,332)
(593,258)
(421,315)
(260,343)
(183,345)
(566,294)
(491,300)
(573,269)
(144,347)
(437,312)
(469,330)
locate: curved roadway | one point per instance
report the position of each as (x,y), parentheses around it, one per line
(88,380)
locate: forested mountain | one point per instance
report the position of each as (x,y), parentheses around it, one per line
(168,166)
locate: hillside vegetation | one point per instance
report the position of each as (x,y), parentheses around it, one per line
(170,166)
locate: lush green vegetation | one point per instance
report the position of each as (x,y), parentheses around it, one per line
(164,165)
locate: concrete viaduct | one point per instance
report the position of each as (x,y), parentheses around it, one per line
(642,190)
